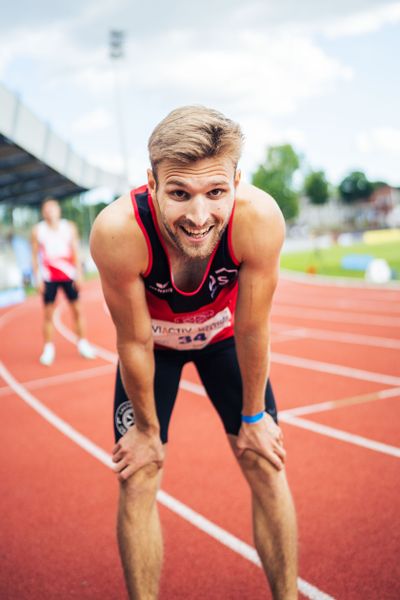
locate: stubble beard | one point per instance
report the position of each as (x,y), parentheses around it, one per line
(191,252)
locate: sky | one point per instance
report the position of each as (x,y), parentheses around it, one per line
(320,74)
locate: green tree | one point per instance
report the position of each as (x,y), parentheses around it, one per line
(316,187)
(354,187)
(275,176)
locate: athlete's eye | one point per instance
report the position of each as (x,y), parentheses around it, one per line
(179,194)
(216,193)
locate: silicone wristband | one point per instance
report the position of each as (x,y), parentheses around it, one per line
(253,418)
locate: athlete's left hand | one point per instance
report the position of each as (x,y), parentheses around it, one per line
(265,438)
(78,283)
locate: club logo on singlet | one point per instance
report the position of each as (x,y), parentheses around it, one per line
(162,288)
(124,417)
(220,278)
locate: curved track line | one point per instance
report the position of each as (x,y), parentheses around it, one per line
(213,530)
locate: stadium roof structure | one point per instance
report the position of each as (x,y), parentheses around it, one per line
(35,162)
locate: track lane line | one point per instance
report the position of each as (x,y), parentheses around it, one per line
(334,369)
(333,404)
(212,529)
(337,336)
(282,309)
(34,384)
(339,434)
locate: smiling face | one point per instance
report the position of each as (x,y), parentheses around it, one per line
(194,203)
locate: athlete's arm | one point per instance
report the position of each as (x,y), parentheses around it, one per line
(35,260)
(258,236)
(120,252)
(76,254)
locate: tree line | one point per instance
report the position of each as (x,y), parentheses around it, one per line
(276,176)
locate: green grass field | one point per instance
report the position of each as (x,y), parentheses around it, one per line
(327,261)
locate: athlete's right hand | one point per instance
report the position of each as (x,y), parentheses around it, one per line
(135,450)
(40,287)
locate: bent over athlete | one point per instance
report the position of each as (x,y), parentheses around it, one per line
(189,265)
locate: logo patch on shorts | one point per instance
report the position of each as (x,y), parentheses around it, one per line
(124,417)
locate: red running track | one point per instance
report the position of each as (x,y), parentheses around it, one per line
(336,373)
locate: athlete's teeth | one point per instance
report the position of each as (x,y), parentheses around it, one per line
(196,233)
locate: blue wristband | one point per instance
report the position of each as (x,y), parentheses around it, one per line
(253,418)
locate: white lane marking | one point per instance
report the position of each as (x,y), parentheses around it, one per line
(333,404)
(196,388)
(315,365)
(336,336)
(346,282)
(331,315)
(232,542)
(35,384)
(103,353)
(54,420)
(338,434)
(377,307)
(183,511)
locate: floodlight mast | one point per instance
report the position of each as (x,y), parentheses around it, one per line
(117,38)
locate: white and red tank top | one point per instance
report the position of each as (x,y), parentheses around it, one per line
(187,320)
(56,251)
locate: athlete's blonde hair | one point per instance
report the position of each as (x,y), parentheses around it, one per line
(191,133)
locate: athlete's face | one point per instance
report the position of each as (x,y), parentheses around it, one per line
(51,211)
(194,202)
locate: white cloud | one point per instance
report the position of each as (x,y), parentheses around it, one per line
(386,139)
(364,22)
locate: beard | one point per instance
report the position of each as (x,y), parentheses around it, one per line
(193,251)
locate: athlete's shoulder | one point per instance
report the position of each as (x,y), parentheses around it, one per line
(116,240)
(259,226)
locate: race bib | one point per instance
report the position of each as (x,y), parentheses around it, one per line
(188,335)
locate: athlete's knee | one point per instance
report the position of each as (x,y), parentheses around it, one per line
(142,486)
(260,472)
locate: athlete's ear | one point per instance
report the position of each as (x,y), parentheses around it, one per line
(238,175)
(151,181)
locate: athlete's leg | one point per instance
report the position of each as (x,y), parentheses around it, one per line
(274,520)
(138,525)
(79,321)
(139,533)
(48,327)
(72,294)
(49,295)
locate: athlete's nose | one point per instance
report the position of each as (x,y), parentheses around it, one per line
(197,211)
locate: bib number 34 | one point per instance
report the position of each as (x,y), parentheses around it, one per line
(188,339)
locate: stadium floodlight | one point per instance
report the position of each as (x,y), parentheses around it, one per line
(117,39)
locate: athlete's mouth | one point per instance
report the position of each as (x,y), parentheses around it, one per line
(196,233)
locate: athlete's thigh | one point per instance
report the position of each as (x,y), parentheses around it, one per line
(70,290)
(168,368)
(219,371)
(50,292)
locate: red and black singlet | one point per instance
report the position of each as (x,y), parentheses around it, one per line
(186,320)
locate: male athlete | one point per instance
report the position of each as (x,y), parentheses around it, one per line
(56,263)
(189,265)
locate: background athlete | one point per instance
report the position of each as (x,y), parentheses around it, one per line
(56,263)
(189,265)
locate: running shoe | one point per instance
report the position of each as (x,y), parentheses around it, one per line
(48,354)
(85,349)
